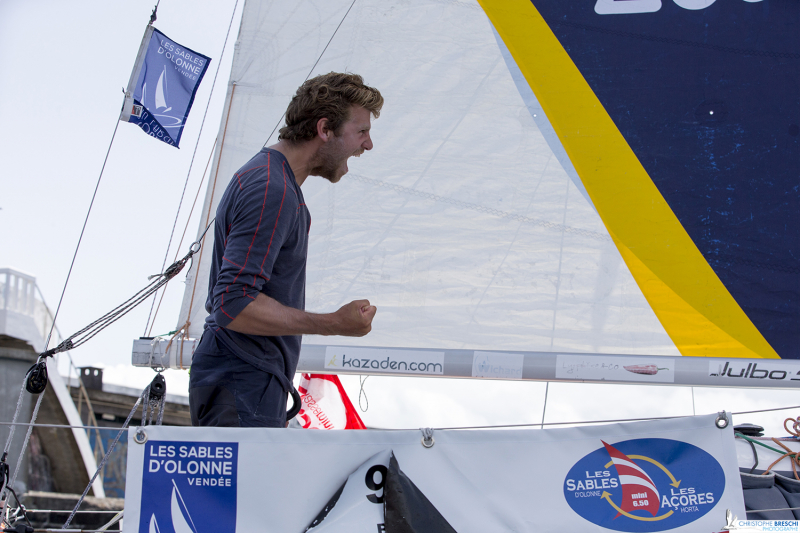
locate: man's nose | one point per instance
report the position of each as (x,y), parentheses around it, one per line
(367,145)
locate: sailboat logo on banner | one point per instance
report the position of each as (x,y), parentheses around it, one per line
(644,485)
(187,485)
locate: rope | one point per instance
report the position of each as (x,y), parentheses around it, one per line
(57,426)
(113,521)
(27,439)
(150,398)
(315,66)
(158,281)
(767,410)
(5,485)
(194,153)
(791,454)
(754,441)
(362,391)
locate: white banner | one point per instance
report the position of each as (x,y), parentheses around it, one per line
(679,475)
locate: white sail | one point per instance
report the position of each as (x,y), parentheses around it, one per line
(179,523)
(154,525)
(462,225)
(161,101)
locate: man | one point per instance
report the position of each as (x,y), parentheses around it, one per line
(246,359)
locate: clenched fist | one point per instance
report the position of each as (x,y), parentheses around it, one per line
(354,319)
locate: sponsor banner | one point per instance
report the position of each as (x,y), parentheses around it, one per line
(186,485)
(753,371)
(497,365)
(610,368)
(634,480)
(169,75)
(384,360)
(678,475)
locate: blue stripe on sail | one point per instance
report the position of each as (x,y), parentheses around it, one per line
(708,101)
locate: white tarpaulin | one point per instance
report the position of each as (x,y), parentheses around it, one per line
(677,475)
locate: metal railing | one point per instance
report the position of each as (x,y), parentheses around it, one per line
(18,295)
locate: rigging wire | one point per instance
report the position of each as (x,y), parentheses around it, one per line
(183,235)
(35,380)
(52,326)
(66,426)
(194,153)
(83,229)
(315,66)
(544,408)
(153,394)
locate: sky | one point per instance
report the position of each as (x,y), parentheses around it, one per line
(63,69)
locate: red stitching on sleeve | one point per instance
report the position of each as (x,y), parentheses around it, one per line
(258,226)
(231,262)
(239,175)
(280,209)
(221,304)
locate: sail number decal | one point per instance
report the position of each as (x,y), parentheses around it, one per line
(644,485)
(622,7)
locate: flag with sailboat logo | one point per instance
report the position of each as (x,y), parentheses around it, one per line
(162,87)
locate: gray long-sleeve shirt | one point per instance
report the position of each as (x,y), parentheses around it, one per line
(260,245)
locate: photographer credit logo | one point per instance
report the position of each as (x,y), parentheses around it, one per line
(189,487)
(644,485)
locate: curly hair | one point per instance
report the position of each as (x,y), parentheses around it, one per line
(327,96)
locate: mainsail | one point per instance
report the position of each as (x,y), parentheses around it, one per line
(548,176)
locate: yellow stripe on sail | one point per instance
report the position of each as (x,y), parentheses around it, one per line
(695,308)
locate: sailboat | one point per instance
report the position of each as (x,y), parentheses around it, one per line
(526,201)
(559,191)
(179,523)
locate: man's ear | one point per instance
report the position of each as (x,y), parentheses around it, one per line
(323,129)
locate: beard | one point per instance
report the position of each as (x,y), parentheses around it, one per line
(329,160)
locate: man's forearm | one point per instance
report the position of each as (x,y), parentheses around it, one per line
(268,317)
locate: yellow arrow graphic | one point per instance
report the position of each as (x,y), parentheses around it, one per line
(607,496)
(675,482)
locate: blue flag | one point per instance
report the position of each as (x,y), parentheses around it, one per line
(162,87)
